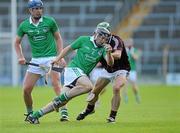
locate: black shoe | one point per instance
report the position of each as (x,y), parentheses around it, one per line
(83,114)
(26,115)
(32,120)
(110,120)
(92,112)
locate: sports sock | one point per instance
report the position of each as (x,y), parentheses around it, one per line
(50,107)
(45,110)
(63,97)
(63,112)
(89,108)
(29,110)
(113,114)
(38,114)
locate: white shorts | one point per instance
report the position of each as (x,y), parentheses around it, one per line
(132,76)
(95,74)
(46,61)
(112,76)
(72,73)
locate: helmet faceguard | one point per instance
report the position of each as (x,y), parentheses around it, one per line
(102,34)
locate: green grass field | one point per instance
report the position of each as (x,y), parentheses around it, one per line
(159,112)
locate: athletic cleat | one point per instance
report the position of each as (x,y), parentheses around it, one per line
(32,120)
(92,112)
(83,114)
(90,97)
(26,115)
(64,118)
(110,120)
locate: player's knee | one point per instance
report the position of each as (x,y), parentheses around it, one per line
(57,87)
(88,87)
(116,90)
(119,86)
(27,90)
(56,84)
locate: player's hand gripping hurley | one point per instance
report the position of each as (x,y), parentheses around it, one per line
(47,69)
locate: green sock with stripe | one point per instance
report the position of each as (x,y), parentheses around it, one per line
(38,114)
(64,112)
(63,97)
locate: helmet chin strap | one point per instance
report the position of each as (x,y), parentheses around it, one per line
(95,36)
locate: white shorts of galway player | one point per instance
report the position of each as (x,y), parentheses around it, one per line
(110,76)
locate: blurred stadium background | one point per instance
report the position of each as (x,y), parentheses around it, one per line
(153,24)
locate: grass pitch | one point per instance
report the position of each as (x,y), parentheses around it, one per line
(159,112)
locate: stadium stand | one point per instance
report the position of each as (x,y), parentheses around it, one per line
(153,32)
(159,27)
(74,18)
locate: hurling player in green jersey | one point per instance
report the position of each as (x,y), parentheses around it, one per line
(45,41)
(90,50)
(133,54)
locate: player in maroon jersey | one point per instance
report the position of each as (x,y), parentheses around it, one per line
(117,73)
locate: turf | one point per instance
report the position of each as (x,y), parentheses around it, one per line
(159,112)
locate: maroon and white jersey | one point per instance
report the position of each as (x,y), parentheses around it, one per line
(119,64)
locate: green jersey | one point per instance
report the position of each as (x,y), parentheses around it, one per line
(41,36)
(131,59)
(88,54)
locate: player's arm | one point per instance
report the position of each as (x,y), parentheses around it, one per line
(109,58)
(75,45)
(118,49)
(18,49)
(134,54)
(63,53)
(59,43)
(117,54)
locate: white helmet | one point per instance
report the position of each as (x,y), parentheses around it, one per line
(103,27)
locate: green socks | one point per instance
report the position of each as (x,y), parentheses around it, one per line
(63,97)
(38,114)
